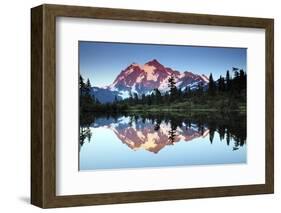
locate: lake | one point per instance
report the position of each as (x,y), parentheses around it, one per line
(161,140)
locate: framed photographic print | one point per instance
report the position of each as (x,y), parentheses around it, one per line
(136,106)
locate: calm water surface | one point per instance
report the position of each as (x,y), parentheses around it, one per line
(126,141)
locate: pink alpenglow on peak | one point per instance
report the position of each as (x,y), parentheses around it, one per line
(144,78)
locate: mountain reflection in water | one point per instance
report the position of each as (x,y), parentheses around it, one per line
(154,133)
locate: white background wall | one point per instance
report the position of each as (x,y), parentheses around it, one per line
(15,104)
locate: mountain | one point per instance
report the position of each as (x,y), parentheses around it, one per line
(153,141)
(104,95)
(142,79)
(140,136)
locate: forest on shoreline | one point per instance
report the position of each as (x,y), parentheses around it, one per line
(225,95)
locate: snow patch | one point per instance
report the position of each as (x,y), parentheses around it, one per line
(205,78)
(112,87)
(139,79)
(164,85)
(133,89)
(149,70)
(124,120)
(178,83)
(124,94)
(128,72)
(181,75)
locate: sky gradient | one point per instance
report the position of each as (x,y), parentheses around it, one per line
(101,62)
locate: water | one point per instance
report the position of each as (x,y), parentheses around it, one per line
(132,141)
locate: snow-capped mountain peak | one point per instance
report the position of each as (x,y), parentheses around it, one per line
(144,78)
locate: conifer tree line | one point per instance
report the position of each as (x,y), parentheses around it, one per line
(228,86)
(235,85)
(88,102)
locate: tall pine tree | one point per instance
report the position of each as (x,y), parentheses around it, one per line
(221,84)
(81,85)
(212,85)
(88,87)
(228,81)
(173,88)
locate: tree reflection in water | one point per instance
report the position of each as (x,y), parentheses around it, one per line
(180,125)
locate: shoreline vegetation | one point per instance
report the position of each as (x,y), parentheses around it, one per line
(231,125)
(226,95)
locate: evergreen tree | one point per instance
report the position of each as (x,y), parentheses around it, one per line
(131,99)
(228,81)
(152,98)
(212,85)
(185,93)
(81,85)
(115,99)
(179,95)
(136,98)
(143,99)
(148,99)
(166,98)
(221,84)
(81,82)
(236,81)
(173,88)
(242,77)
(172,133)
(200,89)
(86,101)
(172,82)
(97,101)
(188,92)
(158,96)
(88,87)
(241,74)
(211,134)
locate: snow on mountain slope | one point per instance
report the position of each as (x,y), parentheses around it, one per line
(142,79)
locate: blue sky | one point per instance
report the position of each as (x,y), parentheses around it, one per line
(101,62)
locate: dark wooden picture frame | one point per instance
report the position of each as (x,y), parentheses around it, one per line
(43,105)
